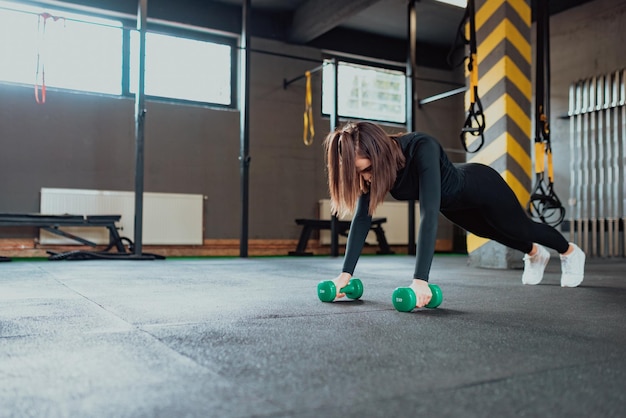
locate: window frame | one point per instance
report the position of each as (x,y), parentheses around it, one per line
(374,65)
(129,24)
(85,18)
(196,35)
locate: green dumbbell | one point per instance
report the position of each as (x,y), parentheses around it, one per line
(327,291)
(404,299)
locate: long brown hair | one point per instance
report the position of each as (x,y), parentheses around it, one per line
(343,147)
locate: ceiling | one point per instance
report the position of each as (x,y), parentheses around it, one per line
(369,28)
(363,24)
(310,19)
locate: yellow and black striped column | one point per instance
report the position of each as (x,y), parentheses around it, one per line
(503,35)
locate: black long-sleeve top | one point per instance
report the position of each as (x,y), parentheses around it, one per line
(429,177)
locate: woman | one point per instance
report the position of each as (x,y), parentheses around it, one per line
(364,164)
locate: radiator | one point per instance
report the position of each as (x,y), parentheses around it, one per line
(168,218)
(396,228)
(597,203)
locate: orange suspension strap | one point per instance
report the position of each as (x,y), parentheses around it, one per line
(309,131)
(41,67)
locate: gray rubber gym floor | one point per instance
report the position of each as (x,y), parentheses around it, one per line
(231,337)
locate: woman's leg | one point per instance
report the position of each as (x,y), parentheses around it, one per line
(489,208)
(536,257)
(474,221)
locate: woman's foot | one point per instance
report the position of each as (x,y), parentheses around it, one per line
(572,266)
(535,264)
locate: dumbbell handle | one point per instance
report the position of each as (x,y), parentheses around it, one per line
(349,288)
(326,290)
(436,298)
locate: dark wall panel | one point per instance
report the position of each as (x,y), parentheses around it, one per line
(87,141)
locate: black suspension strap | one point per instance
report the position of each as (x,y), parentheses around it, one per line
(475,119)
(544,204)
(460,41)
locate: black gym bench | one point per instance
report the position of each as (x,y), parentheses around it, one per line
(341,228)
(52,223)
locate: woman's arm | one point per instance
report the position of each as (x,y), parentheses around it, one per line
(429,173)
(359,229)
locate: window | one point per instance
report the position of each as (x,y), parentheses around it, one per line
(182,68)
(63,49)
(365,92)
(84,52)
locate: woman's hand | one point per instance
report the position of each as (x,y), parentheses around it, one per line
(340,282)
(422,292)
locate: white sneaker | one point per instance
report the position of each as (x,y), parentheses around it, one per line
(573,267)
(535,265)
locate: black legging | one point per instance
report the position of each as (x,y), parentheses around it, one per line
(487,207)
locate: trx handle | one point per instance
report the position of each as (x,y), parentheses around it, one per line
(475,120)
(544,204)
(309,131)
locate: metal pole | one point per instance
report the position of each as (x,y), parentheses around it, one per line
(411,71)
(540,73)
(572,162)
(244,131)
(579,164)
(140,116)
(334,124)
(616,164)
(546,61)
(592,166)
(608,166)
(286,82)
(603,142)
(442,95)
(585,163)
(622,104)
